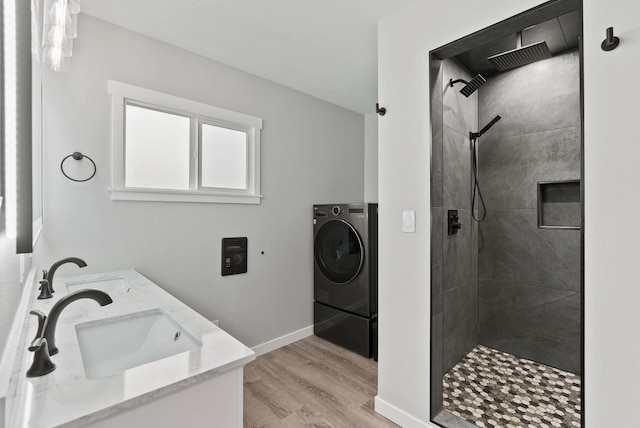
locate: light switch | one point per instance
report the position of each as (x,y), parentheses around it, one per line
(409,221)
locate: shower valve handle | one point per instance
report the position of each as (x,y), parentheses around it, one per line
(453,222)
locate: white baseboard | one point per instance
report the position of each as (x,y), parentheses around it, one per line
(281,341)
(398,416)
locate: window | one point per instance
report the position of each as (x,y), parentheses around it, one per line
(156,149)
(223,157)
(167,148)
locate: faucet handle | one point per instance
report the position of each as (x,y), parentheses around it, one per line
(42,363)
(45,275)
(41,319)
(45,290)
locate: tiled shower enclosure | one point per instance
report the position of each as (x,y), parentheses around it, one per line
(505,283)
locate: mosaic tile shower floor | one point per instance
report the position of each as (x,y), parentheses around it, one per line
(491,388)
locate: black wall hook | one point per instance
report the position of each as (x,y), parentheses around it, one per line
(380,110)
(611,42)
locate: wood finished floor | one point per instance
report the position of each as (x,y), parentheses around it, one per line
(311,383)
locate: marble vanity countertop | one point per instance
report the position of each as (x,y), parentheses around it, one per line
(65,397)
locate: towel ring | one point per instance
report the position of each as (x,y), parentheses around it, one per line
(78,156)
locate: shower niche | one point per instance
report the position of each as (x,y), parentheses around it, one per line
(559,204)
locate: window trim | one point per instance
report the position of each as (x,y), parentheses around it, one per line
(122,93)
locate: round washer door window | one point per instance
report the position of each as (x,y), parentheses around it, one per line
(338,251)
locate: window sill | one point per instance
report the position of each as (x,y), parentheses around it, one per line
(144,195)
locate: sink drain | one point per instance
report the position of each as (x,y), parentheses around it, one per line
(177,336)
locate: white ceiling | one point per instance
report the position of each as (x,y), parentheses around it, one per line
(325,48)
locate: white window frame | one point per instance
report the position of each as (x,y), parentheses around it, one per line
(198,113)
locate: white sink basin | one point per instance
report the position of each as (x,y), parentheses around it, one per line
(110,286)
(113,345)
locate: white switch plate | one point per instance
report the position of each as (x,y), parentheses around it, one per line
(409,221)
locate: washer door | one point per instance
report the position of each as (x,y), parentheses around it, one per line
(338,250)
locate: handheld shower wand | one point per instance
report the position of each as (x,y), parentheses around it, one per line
(473,137)
(478,134)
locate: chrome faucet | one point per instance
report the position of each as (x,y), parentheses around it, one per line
(44,344)
(48,274)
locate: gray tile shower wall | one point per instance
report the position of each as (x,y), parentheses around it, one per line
(529,293)
(459,259)
(551,338)
(436,153)
(454,262)
(511,166)
(437,227)
(512,248)
(435,79)
(437,234)
(538,97)
(436,364)
(460,322)
(456,171)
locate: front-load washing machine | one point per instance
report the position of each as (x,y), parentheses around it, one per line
(345,248)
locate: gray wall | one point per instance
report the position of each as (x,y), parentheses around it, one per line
(529,289)
(454,277)
(312,152)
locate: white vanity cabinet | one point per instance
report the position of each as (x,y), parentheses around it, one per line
(200,387)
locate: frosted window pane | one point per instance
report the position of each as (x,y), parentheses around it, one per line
(224,157)
(156,149)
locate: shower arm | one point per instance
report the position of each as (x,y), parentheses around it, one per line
(452,82)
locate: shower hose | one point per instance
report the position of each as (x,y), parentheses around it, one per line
(476,185)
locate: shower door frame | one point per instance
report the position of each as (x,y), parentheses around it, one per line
(541,13)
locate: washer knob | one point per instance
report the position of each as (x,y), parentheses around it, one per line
(336,210)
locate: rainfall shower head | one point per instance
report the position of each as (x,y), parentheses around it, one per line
(521,55)
(473,135)
(470,87)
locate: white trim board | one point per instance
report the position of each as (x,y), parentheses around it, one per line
(399,416)
(281,341)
